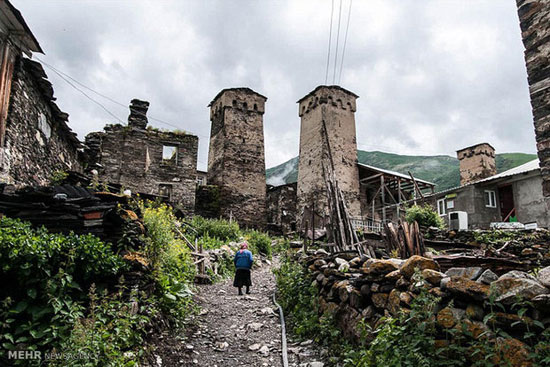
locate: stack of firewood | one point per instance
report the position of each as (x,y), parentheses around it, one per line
(404,239)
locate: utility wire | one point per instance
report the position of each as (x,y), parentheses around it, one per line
(337,41)
(86,95)
(63,76)
(329,41)
(345,41)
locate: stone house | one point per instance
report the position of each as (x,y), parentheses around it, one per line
(145,159)
(486,197)
(35,141)
(281,208)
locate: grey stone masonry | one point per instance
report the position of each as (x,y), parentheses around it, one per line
(146,159)
(38,142)
(332,107)
(534,16)
(236,159)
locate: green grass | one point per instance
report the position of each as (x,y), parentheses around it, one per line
(439,169)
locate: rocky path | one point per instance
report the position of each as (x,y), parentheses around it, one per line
(244,330)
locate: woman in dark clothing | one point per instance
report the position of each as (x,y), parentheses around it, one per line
(243,264)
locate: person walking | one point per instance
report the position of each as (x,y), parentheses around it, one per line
(243,264)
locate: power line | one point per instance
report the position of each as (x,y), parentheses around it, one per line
(64,75)
(329,40)
(86,95)
(345,41)
(337,41)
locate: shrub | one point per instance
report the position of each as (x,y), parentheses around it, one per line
(221,229)
(44,275)
(424,215)
(259,243)
(111,334)
(171,260)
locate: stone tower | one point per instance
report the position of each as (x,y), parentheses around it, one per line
(236,160)
(328,111)
(534,16)
(476,163)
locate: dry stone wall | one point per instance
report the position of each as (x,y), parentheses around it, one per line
(358,289)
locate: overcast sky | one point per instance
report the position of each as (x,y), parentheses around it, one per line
(432,76)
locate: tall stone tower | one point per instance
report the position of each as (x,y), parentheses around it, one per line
(476,163)
(236,160)
(534,16)
(327,134)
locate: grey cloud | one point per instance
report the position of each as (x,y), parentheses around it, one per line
(432,76)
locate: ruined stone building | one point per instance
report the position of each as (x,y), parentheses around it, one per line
(146,159)
(236,158)
(35,140)
(534,16)
(327,143)
(281,208)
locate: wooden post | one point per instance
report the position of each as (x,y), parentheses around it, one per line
(313,223)
(304,246)
(398,198)
(383,197)
(201,264)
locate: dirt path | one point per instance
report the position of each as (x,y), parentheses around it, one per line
(237,330)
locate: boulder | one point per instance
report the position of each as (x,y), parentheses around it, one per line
(344,267)
(406,298)
(518,274)
(544,276)
(393,302)
(475,312)
(417,262)
(379,300)
(449,317)
(368,312)
(511,352)
(393,276)
(339,261)
(487,277)
(471,273)
(542,302)
(433,276)
(464,287)
(365,289)
(376,267)
(402,283)
(508,289)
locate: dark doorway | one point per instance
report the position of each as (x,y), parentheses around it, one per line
(506,197)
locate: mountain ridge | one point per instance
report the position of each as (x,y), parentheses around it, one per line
(443,170)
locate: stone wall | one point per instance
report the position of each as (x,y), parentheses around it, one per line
(236,159)
(534,16)
(38,143)
(476,162)
(281,208)
(359,289)
(335,107)
(146,160)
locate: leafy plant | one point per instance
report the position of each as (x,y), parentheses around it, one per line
(44,276)
(424,215)
(259,242)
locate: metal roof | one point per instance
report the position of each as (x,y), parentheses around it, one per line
(393,173)
(524,168)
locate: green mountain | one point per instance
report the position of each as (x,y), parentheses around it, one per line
(439,169)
